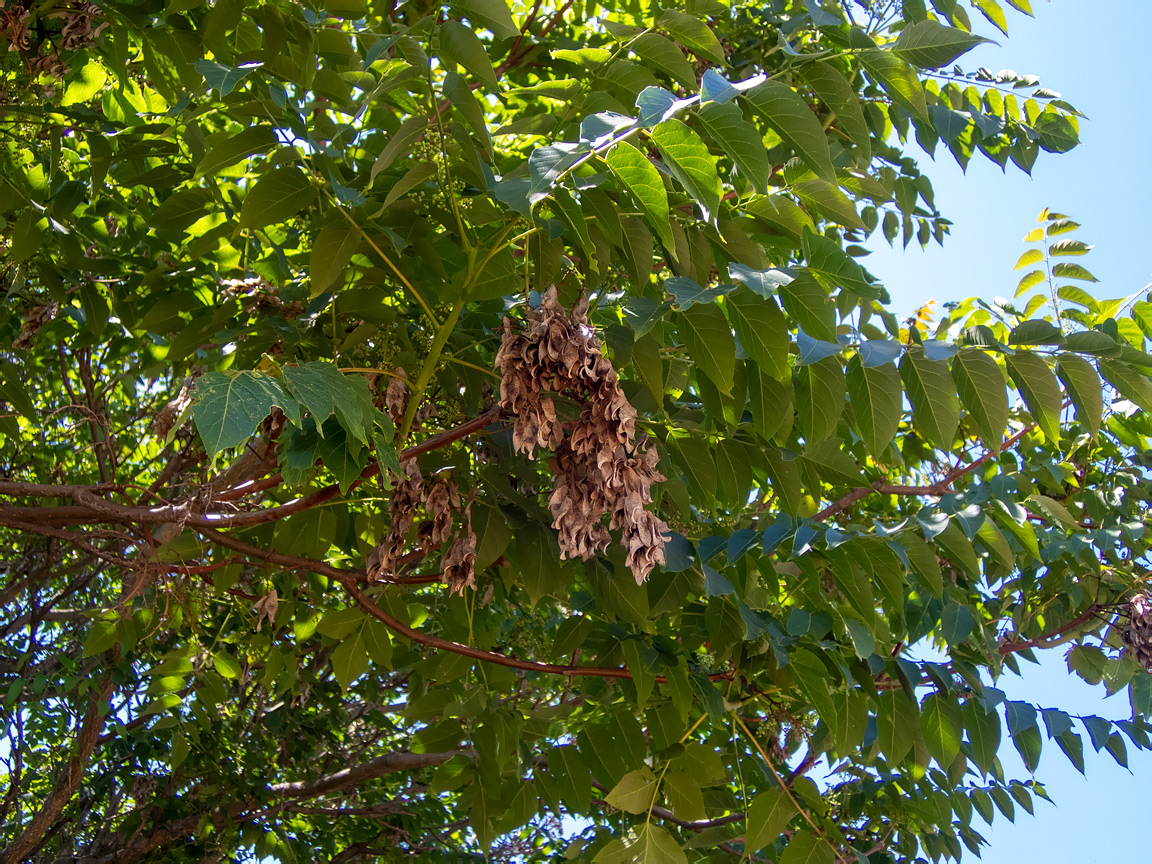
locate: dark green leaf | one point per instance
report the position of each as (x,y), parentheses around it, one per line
(687,157)
(930,45)
(643,181)
(1039,389)
(228,407)
(983,393)
(930,389)
(794,120)
(708,338)
(277,196)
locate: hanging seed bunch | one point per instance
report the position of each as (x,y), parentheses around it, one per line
(1137,636)
(440,499)
(33,322)
(600,468)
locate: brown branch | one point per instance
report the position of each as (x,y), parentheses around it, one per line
(300,790)
(940,487)
(1085,616)
(94,508)
(390,763)
(85,743)
(366,603)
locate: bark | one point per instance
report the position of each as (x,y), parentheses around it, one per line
(86,738)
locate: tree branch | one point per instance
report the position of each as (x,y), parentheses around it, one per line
(94,508)
(1040,641)
(366,603)
(85,742)
(390,763)
(941,487)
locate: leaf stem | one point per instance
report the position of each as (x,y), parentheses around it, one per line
(443,331)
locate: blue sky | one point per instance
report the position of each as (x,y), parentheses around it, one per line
(1090,53)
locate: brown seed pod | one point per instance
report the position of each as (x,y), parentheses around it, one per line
(600,468)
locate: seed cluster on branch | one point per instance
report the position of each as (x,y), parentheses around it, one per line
(440,500)
(1137,636)
(600,468)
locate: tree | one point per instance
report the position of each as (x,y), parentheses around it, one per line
(469,430)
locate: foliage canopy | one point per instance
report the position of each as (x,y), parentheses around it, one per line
(471,430)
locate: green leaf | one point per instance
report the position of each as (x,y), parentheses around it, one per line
(1039,389)
(1057,134)
(1130,382)
(770,402)
(835,92)
(897,725)
(1082,383)
(331,251)
(828,198)
(537,561)
(276,197)
(898,80)
(692,454)
(645,184)
(820,392)
(1029,281)
(834,466)
(457,91)
(400,142)
(807,302)
(983,393)
(462,46)
(323,390)
(342,455)
(940,724)
(991,10)
(1072,746)
(225,664)
(84,82)
(1036,332)
(645,844)
(687,157)
(930,45)
(573,217)
(664,54)
(924,562)
(493,14)
(228,149)
(350,660)
(705,332)
(877,403)
(768,815)
(795,122)
(635,793)
(1029,743)
(984,732)
(224,78)
(833,266)
(725,122)
(1069,270)
(693,34)
(229,405)
(932,394)
(806,848)
(178,212)
(682,791)
(100,637)
(761,329)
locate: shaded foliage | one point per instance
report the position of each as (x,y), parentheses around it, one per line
(471,430)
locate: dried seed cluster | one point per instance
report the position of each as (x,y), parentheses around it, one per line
(600,468)
(1137,636)
(440,500)
(33,322)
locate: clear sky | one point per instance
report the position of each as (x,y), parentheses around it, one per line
(1092,54)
